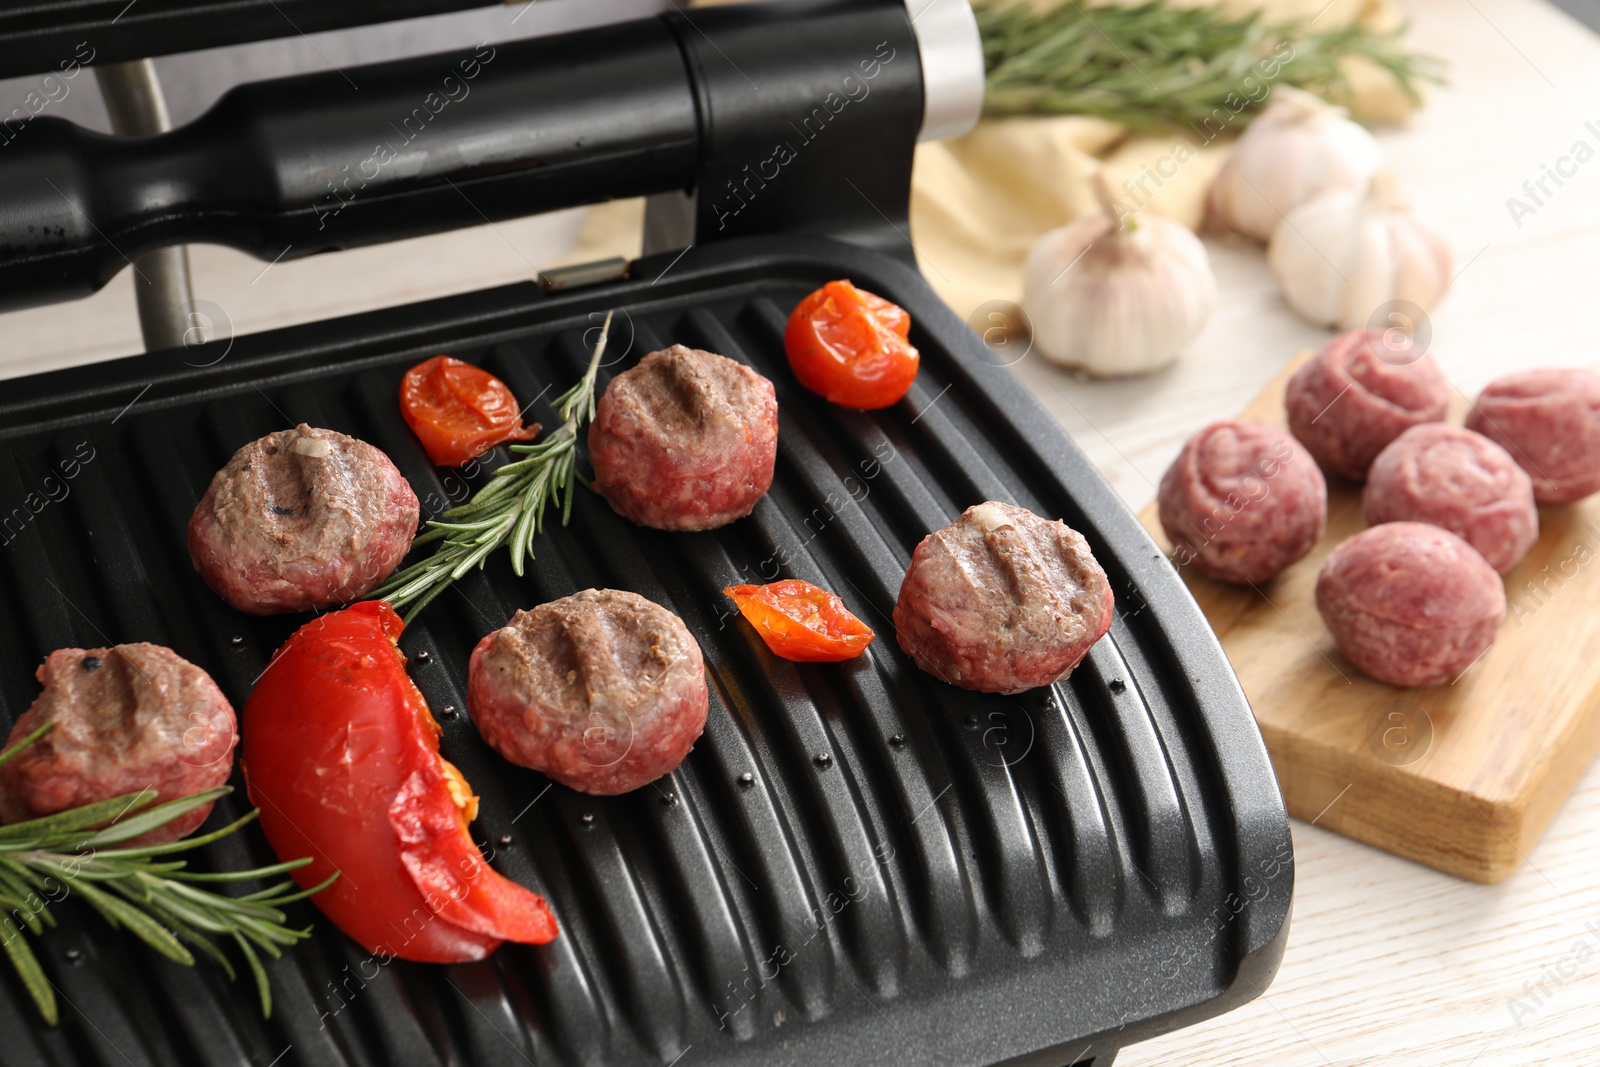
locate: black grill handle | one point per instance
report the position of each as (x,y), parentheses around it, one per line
(695,101)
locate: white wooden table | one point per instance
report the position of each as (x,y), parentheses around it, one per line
(1388,962)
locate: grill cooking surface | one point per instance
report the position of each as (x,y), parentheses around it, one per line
(857,863)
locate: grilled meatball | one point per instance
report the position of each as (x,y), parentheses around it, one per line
(127,718)
(302,519)
(1458,480)
(1410,604)
(1349,401)
(1549,420)
(603,690)
(1242,501)
(685,441)
(1002,601)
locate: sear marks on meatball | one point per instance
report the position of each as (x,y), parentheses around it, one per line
(302,519)
(1460,481)
(686,440)
(128,718)
(1002,601)
(603,691)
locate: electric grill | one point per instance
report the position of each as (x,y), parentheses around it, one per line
(953,878)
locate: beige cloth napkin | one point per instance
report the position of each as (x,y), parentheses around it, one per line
(979,202)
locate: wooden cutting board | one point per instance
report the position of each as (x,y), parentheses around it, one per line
(1462,777)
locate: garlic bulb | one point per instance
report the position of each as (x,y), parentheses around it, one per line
(1298,148)
(1117,298)
(1342,256)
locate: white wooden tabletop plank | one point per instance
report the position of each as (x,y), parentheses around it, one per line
(1389,962)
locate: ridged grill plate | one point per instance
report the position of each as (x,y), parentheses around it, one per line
(913,874)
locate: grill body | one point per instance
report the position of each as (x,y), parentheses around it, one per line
(966,879)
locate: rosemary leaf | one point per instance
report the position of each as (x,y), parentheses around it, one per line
(265,936)
(235,876)
(10,902)
(20,835)
(185,844)
(200,918)
(9,754)
(121,913)
(132,888)
(204,944)
(19,902)
(280,894)
(137,825)
(259,972)
(28,969)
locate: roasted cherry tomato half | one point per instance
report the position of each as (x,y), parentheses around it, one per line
(850,346)
(459,411)
(800,622)
(342,757)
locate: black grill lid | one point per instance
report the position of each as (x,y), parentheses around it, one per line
(965,879)
(38,36)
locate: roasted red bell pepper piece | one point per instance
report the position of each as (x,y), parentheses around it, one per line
(801,622)
(342,757)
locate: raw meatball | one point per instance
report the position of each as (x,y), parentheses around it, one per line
(685,441)
(1242,501)
(1461,481)
(1002,601)
(302,519)
(127,718)
(1348,401)
(1410,604)
(1549,420)
(603,690)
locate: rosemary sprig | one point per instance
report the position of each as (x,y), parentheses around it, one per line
(43,861)
(508,510)
(1154,65)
